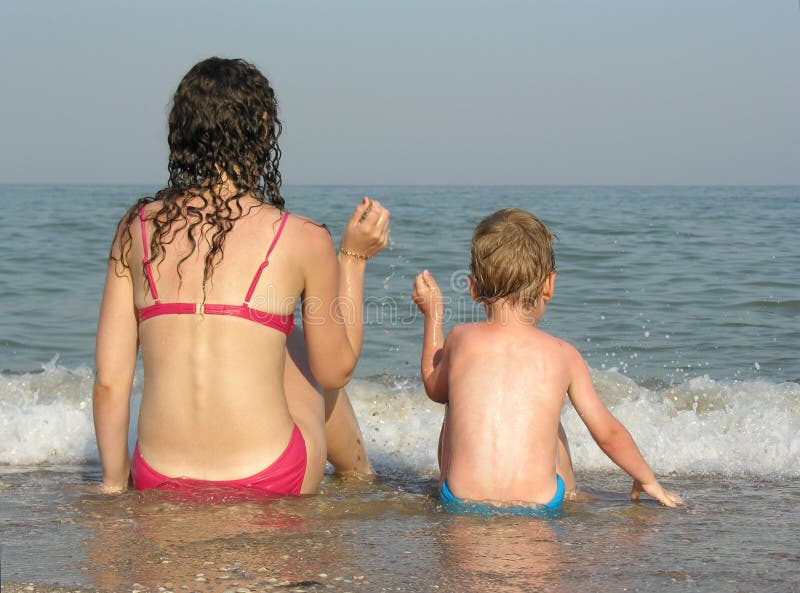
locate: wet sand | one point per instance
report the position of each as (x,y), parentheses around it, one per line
(391,535)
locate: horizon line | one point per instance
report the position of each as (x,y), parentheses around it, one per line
(288,185)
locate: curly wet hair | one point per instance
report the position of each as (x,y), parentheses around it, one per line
(223,125)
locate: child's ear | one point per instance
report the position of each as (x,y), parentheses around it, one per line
(472,290)
(549,287)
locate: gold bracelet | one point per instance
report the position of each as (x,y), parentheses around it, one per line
(353,254)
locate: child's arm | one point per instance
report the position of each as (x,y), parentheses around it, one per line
(610,435)
(428,297)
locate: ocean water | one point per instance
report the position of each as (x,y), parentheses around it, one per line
(685,301)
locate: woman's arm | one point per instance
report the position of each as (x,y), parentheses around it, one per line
(365,235)
(333,298)
(115,362)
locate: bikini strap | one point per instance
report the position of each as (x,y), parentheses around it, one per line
(146,258)
(265,263)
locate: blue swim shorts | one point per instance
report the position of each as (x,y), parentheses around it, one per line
(547,511)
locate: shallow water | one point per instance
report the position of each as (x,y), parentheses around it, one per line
(735,534)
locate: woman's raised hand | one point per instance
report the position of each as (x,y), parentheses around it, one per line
(367,232)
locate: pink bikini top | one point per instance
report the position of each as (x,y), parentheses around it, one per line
(282,323)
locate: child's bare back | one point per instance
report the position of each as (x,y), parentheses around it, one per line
(506,388)
(504,380)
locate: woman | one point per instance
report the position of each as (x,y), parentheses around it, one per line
(205,277)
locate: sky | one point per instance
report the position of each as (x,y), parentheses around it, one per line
(462,92)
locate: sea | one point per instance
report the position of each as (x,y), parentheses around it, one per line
(685,302)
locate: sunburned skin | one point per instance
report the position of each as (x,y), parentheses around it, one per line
(226,376)
(504,382)
(226,381)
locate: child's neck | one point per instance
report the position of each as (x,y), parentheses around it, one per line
(502,312)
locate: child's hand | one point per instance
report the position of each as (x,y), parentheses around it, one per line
(427,296)
(367,232)
(654,489)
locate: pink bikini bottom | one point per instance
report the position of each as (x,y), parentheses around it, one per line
(283,477)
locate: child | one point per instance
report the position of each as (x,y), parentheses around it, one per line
(504,382)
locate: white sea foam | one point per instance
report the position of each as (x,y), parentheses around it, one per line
(46,417)
(701,426)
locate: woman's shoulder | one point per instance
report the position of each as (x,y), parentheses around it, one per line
(299,219)
(131,216)
(308,229)
(144,207)
(310,241)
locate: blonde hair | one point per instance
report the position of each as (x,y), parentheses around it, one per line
(512,256)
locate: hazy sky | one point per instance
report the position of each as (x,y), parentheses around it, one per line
(417,92)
